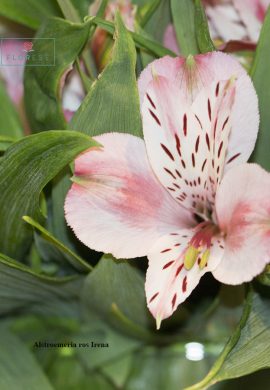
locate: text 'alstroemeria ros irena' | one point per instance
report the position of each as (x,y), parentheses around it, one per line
(133,198)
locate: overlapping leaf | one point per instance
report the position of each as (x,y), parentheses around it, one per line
(25,169)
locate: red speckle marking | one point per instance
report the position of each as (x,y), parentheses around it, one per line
(166,150)
(184,284)
(215,127)
(233,158)
(199,180)
(177,244)
(153,297)
(169,172)
(179,269)
(155,117)
(171,189)
(200,123)
(183,163)
(178,173)
(174,300)
(185,124)
(176,185)
(209,109)
(178,145)
(197,144)
(203,166)
(225,123)
(207,141)
(193,160)
(220,148)
(168,264)
(151,101)
(166,250)
(217,89)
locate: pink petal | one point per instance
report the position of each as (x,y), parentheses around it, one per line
(252,13)
(116,204)
(190,132)
(12,71)
(225,22)
(168,283)
(170,40)
(166,66)
(243,212)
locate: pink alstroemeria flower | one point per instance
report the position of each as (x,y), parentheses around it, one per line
(236,19)
(184,197)
(229,20)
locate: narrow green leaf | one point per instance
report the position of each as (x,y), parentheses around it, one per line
(112,103)
(69,11)
(248,348)
(141,41)
(10,124)
(203,37)
(43,83)
(31,13)
(261,79)
(23,290)
(18,367)
(147,11)
(75,260)
(27,166)
(183,13)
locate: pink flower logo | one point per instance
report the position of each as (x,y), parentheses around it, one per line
(28,46)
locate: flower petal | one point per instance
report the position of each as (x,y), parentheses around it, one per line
(168,282)
(187,141)
(225,22)
(116,204)
(166,66)
(243,212)
(252,13)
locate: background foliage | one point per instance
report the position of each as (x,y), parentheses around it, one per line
(55,290)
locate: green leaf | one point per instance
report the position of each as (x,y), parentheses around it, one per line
(18,367)
(248,348)
(76,261)
(141,41)
(112,104)
(31,13)
(21,289)
(116,284)
(261,79)
(10,124)
(43,83)
(203,37)
(69,11)
(264,278)
(183,13)
(25,169)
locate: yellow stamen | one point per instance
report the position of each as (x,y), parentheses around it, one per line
(190,257)
(204,259)
(154,72)
(158,321)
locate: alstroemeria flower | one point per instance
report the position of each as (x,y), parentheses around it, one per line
(133,198)
(236,19)
(229,20)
